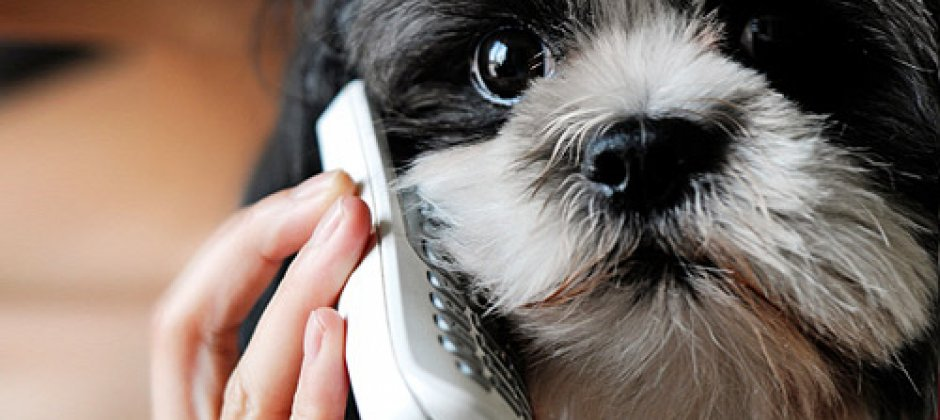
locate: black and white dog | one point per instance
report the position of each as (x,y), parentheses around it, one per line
(687,208)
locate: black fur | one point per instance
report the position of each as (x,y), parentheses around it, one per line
(882,88)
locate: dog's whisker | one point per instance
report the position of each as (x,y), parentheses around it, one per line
(788,267)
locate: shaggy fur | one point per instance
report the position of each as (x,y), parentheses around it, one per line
(797,278)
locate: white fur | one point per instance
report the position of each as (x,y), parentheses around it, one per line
(806,249)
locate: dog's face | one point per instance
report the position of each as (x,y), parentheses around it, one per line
(690,208)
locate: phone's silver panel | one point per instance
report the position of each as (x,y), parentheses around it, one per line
(415,348)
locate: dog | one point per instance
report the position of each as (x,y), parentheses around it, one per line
(685,208)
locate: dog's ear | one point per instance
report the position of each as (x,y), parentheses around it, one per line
(316,71)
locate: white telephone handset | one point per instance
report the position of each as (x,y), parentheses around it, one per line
(416,347)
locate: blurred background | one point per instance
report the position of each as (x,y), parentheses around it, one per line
(127,131)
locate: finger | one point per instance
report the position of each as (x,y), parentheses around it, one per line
(323,385)
(196,322)
(269,368)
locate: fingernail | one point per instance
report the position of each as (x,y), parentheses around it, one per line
(329,222)
(315,184)
(313,336)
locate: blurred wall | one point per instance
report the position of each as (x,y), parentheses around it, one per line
(113,168)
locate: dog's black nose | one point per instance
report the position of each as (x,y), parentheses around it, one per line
(644,164)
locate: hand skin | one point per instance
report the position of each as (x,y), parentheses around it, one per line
(294,366)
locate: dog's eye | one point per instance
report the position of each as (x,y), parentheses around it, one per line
(810,57)
(765,36)
(506,61)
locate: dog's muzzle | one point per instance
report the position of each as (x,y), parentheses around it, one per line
(646,164)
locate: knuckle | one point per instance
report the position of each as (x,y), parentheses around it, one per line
(251,215)
(236,401)
(243,217)
(220,342)
(241,400)
(159,325)
(165,322)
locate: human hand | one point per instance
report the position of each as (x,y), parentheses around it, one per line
(294,365)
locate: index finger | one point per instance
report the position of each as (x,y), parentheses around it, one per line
(267,372)
(197,321)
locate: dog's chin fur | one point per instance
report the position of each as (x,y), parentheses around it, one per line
(796,280)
